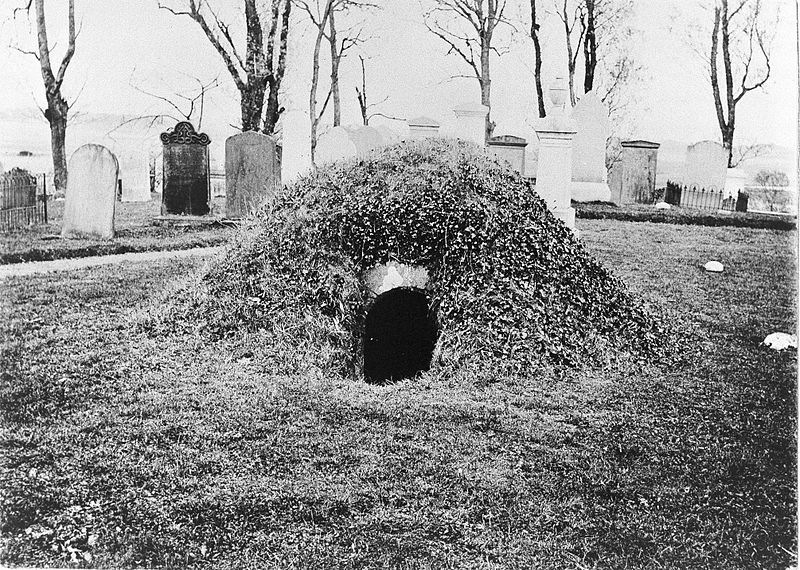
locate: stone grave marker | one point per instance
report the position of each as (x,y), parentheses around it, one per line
(186,185)
(510,149)
(423,127)
(135,176)
(91,193)
(296,148)
(706,165)
(471,122)
(333,145)
(589,175)
(252,172)
(633,177)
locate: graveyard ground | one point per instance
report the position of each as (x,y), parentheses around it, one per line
(119,449)
(134,228)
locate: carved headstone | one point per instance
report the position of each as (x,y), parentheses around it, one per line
(589,175)
(252,172)
(186,171)
(633,177)
(91,193)
(510,149)
(471,122)
(706,165)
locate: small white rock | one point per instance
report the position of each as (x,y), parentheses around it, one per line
(663,206)
(779,341)
(714,267)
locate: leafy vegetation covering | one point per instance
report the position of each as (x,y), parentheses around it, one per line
(122,450)
(513,288)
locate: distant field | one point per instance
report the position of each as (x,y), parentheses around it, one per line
(125,450)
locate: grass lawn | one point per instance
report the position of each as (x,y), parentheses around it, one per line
(134,232)
(125,450)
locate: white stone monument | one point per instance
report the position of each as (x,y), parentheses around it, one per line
(471,122)
(706,165)
(296,153)
(554,164)
(422,127)
(589,174)
(334,145)
(92,176)
(134,171)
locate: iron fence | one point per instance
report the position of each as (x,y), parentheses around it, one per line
(23,199)
(704,198)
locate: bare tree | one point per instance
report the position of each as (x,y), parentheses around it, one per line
(572,17)
(467,27)
(57,106)
(259,72)
(184,105)
(363,105)
(745,40)
(537,51)
(589,46)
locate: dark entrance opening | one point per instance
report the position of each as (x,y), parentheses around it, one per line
(399,335)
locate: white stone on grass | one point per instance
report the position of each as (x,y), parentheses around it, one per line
(714,267)
(780,341)
(663,206)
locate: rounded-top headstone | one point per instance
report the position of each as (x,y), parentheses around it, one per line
(334,145)
(366,139)
(252,172)
(91,193)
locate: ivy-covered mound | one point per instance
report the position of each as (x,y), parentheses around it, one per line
(511,284)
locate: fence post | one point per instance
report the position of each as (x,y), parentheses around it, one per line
(44,195)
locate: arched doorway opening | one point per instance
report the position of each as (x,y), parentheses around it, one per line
(399,336)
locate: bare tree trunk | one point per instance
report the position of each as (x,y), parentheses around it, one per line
(537,70)
(486,85)
(589,48)
(362,94)
(570,56)
(57,107)
(312,96)
(336,58)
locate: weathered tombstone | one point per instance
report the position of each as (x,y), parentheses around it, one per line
(252,172)
(366,139)
(296,148)
(589,175)
(135,176)
(706,165)
(554,161)
(91,191)
(633,177)
(422,127)
(471,122)
(510,149)
(333,145)
(186,171)
(388,134)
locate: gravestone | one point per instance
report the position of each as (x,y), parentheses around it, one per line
(510,149)
(633,177)
(471,122)
(135,176)
(333,145)
(296,148)
(422,127)
(252,172)
(706,165)
(186,171)
(366,139)
(589,175)
(91,193)
(388,134)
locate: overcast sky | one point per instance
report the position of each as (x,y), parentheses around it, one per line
(126,44)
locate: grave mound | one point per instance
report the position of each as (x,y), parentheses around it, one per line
(507,286)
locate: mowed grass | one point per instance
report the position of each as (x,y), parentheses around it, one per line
(124,450)
(134,229)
